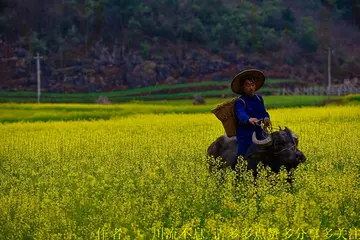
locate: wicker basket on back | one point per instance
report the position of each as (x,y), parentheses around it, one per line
(226,114)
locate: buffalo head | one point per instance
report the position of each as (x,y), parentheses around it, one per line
(277,149)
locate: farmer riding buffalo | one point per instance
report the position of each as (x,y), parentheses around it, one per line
(253,139)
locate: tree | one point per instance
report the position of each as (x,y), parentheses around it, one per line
(237,24)
(289,19)
(306,35)
(119,15)
(356,12)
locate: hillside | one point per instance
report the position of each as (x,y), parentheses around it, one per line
(108,45)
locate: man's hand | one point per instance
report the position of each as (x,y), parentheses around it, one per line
(253,121)
(267,122)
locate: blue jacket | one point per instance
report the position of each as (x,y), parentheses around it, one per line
(254,108)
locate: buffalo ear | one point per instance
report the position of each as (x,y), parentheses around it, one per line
(294,136)
(289,130)
(296,142)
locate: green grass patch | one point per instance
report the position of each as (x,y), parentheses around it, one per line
(278,101)
(124,98)
(14,112)
(116,93)
(351,98)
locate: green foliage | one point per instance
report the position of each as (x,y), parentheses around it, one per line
(289,60)
(312,4)
(211,23)
(37,45)
(236,27)
(289,19)
(270,40)
(272,16)
(306,34)
(145,48)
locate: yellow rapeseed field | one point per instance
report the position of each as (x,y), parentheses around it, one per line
(146,177)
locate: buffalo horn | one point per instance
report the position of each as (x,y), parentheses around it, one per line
(261,142)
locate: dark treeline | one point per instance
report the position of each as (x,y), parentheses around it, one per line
(50,26)
(106,45)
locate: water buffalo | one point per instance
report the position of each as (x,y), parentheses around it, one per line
(276,150)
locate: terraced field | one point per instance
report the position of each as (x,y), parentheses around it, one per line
(161,92)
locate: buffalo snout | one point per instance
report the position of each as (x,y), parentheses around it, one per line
(300,157)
